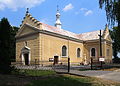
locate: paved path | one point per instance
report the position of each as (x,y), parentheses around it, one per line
(108,75)
(114,76)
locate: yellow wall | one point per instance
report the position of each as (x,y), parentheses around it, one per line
(52,46)
(96,45)
(32,43)
(44,46)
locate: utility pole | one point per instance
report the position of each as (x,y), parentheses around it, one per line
(68,56)
(100,37)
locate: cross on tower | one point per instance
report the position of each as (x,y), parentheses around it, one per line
(27,11)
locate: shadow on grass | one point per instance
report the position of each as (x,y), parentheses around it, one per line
(62,81)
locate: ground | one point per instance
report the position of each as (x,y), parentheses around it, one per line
(50,78)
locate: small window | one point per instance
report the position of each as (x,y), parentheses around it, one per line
(64,51)
(78,52)
(93,52)
(108,51)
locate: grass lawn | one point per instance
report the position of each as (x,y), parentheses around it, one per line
(50,78)
(70,80)
(36,72)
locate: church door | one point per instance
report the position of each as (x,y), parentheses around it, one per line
(55,59)
(26,57)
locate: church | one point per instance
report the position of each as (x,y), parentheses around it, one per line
(36,41)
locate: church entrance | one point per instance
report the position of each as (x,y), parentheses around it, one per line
(26,58)
(55,59)
(25,51)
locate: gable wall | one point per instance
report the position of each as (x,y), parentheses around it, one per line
(30,20)
(32,43)
(26,30)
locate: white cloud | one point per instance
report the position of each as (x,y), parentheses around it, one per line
(15,4)
(89,12)
(68,7)
(85,11)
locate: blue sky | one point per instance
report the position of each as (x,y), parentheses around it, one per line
(77,16)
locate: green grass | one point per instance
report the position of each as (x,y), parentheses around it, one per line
(50,78)
(28,72)
(68,80)
(60,81)
(37,72)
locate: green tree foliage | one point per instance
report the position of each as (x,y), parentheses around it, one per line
(112,8)
(7,45)
(116,43)
(13,41)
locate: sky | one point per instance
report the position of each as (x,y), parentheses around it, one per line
(77,16)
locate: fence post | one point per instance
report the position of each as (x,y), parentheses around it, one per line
(35,63)
(68,65)
(91,63)
(101,64)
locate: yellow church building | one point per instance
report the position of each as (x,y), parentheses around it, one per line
(36,41)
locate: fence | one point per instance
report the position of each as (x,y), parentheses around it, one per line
(61,66)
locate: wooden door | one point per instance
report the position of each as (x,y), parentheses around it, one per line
(55,59)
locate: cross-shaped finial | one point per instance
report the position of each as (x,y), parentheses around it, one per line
(27,11)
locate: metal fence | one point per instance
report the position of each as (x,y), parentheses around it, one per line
(61,66)
(64,66)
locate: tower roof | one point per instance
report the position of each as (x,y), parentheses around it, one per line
(58,22)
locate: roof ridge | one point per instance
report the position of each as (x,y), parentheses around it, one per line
(58,28)
(90,32)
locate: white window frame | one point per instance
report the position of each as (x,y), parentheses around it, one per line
(95,52)
(77,52)
(66,51)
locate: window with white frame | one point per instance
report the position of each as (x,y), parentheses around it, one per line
(78,52)
(64,51)
(93,52)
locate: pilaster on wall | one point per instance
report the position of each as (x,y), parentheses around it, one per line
(85,52)
(40,46)
(104,48)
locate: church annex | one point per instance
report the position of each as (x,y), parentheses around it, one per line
(36,41)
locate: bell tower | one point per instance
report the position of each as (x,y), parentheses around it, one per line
(58,24)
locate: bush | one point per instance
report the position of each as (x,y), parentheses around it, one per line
(116,60)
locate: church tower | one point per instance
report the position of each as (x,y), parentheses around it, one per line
(58,23)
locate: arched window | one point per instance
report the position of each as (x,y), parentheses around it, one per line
(64,51)
(93,52)
(78,52)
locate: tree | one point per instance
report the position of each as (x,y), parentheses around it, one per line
(112,8)
(116,43)
(5,46)
(14,30)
